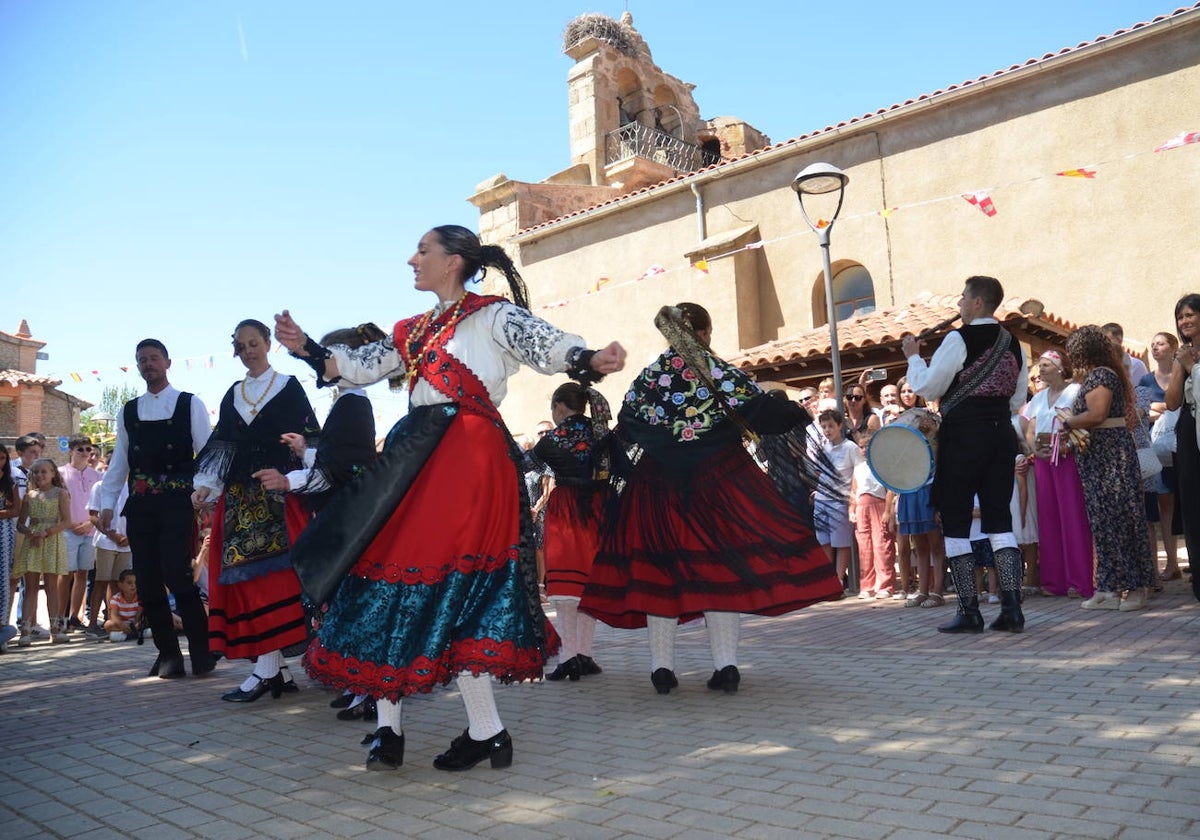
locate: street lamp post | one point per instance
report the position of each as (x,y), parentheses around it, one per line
(105,421)
(820,179)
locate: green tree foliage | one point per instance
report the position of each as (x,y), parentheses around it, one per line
(112,400)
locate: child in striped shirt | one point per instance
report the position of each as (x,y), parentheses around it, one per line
(124,609)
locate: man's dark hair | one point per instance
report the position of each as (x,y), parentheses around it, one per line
(155,343)
(26,441)
(988,288)
(831,414)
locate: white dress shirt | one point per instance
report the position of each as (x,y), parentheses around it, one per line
(160,406)
(933,379)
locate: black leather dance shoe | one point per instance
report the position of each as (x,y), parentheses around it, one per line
(726,680)
(272,684)
(168,667)
(341,701)
(387,750)
(569,669)
(366,710)
(465,753)
(664,680)
(588,666)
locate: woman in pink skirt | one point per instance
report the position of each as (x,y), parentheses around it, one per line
(1064,535)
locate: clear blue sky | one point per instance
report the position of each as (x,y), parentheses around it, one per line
(168,169)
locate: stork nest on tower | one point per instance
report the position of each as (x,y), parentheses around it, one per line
(603,28)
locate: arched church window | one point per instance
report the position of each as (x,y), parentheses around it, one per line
(853,292)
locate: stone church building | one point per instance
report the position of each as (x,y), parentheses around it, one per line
(1047,175)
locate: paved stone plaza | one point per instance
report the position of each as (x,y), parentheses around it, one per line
(854,720)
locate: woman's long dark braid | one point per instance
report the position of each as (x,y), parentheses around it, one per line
(457,239)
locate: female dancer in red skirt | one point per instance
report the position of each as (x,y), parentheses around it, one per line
(254,597)
(574,451)
(701,530)
(442,580)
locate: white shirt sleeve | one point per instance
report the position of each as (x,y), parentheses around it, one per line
(931,380)
(368,364)
(1017,401)
(537,343)
(118,467)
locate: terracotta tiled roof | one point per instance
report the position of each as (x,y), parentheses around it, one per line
(927,313)
(20,377)
(889,109)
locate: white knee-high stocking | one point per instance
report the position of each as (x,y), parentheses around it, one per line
(389,715)
(267,666)
(567,612)
(585,630)
(482,715)
(662,642)
(724,629)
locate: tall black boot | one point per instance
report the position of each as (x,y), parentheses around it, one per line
(1008,569)
(968,619)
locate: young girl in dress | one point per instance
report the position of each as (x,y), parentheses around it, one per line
(45,513)
(572,450)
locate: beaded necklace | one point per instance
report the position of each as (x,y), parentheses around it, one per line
(417,345)
(256,403)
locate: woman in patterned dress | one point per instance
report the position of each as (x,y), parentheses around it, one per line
(254,596)
(442,580)
(701,530)
(1108,468)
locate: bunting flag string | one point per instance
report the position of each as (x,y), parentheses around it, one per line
(1183,138)
(981,199)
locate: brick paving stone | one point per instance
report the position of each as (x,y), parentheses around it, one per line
(852,721)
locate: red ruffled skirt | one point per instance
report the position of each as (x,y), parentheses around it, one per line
(441,589)
(723,541)
(258,615)
(571,541)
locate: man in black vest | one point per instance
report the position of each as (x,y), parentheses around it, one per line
(158,435)
(978,376)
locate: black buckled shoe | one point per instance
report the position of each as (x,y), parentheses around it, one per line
(569,669)
(272,684)
(726,680)
(289,684)
(588,666)
(465,753)
(366,710)
(387,750)
(341,701)
(664,680)
(168,667)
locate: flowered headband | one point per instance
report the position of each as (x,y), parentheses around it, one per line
(1054,358)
